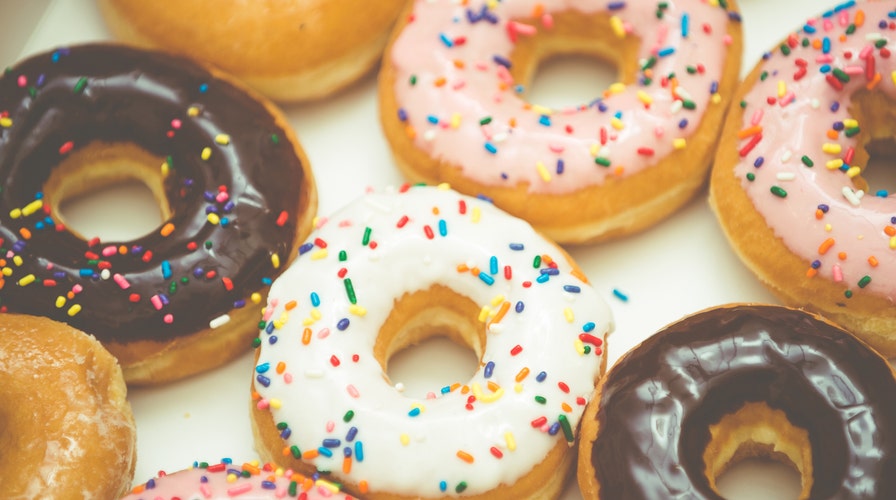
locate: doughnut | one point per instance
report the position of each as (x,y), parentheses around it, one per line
(453,107)
(292,51)
(225,479)
(740,381)
(66,427)
(395,268)
(789,184)
(235,191)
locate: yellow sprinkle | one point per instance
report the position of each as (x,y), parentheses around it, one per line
(850,123)
(616,88)
(206,153)
(893,242)
(853,171)
(594,149)
(231,477)
(645,98)
(275,403)
(7,271)
(716,98)
(333,488)
(405,439)
(543,172)
(255,298)
(319,254)
(6,122)
(782,88)
(475,214)
(165,168)
(569,315)
(357,310)
(497,300)
(617,123)
(893,76)
(275,260)
(580,346)
(193,111)
(831,148)
(487,398)
(680,143)
(15,213)
(618,28)
(60,301)
(213,219)
(17,260)
(26,280)
(455,120)
(510,440)
(32,207)
(834,164)
(316,314)
(444,186)
(73,310)
(517,387)
(222,139)
(484,313)
(541,110)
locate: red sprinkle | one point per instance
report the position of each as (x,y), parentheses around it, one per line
(65,148)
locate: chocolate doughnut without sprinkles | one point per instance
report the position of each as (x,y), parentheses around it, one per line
(738,381)
(235,191)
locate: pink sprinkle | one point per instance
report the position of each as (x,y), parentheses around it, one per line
(757,117)
(330,425)
(828,24)
(659,131)
(324,333)
(175,123)
(556,148)
(77,288)
(838,273)
(352,391)
(866,51)
(222,197)
(169,318)
(844,18)
(263,404)
(110,251)
(853,70)
(206,490)
(430,395)
(547,21)
(121,281)
(522,28)
(459,84)
(787,99)
(239,490)
(481,66)
(824,59)
(156,302)
(504,75)
(287,378)
(22,81)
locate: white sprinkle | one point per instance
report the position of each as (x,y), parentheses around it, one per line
(219,321)
(786,176)
(786,156)
(854,197)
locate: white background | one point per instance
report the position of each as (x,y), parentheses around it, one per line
(676,268)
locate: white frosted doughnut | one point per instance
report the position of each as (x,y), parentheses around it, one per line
(388,271)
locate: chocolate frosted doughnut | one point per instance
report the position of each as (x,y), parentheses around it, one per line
(235,190)
(739,381)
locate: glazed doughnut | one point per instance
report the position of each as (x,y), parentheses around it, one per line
(227,480)
(288,50)
(388,271)
(235,190)
(453,107)
(788,185)
(66,427)
(735,382)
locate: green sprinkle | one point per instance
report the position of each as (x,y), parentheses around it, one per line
(864,281)
(841,75)
(294,450)
(649,63)
(540,400)
(172,287)
(536,262)
(604,162)
(293,488)
(851,29)
(413,80)
(350,291)
(785,49)
(852,131)
(261,324)
(343,256)
(848,294)
(79,86)
(763,76)
(807,161)
(688,104)
(486,120)
(256,342)
(349,415)
(743,104)
(282,425)
(778,191)
(567,429)
(751,176)
(366,239)
(880,43)
(461,486)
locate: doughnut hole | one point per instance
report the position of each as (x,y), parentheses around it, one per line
(758,434)
(111,191)
(563,51)
(419,323)
(875,152)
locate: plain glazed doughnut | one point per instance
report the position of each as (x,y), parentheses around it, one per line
(453,107)
(225,479)
(788,186)
(235,191)
(288,50)
(388,271)
(66,427)
(735,382)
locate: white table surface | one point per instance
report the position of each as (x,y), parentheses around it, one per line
(678,267)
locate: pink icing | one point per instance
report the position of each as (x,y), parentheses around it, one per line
(843,234)
(222,480)
(452,55)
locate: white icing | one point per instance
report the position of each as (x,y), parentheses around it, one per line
(412,455)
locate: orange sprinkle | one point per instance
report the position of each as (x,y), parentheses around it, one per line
(347,465)
(362,486)
(123,250)
(474,271)
(440,81)
(522,374)
(816,44)
(874,81)
(832,134)
(411,132)
(578,274)
(841,255)
(860,18)
(252,469)
(501,312)
(290,305)
(538,10)
(466,457)
(306,336)
(811,272)
(565,407)
(25,232)
(462,268)
(618,170)
(310,454)
(890,231)
(281,367)
(873,261)
(493,386)
(167,229)
(749,131)
(459,64)
(819,213)
(825,246)
(455,386)
(464,389)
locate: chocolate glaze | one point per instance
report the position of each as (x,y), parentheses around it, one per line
(658,402)
(113,94)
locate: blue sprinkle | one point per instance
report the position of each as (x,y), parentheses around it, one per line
(414,412)
(331,443)
(588,327)
(553,271)
(619,295)
(493,264)
(325,451)
(488,280)
(443,486)
(683,123)
(402,114)
(272,339)
(446,389)
(808,28)
(359,451)
(759,161)
(835,106)
(824,208)
(554,429)
(347,452)
(489,16)
(432,119)
(882,193)
(816,264)
(263,368)
(491,148)
(541,376)
(572,288)
(560,166)
(286,433)
(269,328)
(517,246)
(545,120)
(443,227)
(616,5)
(519,306)
(685,25)
(85,273)
(268,485)
(489,368)
(315,299)
(305,248)
(350,435)
(203,88)
(447,41)
(667,51)
(166,269)
(838,126)
(824,68)
(263,380)
(714,87)
(342,324)
(825,45)
(503,61)
(543,278)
